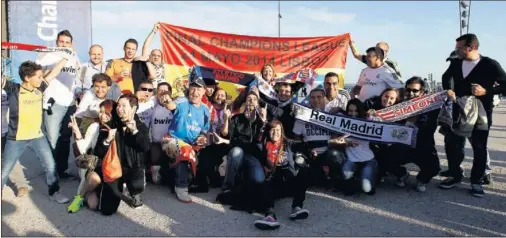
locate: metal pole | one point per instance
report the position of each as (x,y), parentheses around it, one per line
(460,17)
(469,16)
(279,18)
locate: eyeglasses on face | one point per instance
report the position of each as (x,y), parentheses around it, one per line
(411,90)
(147,89)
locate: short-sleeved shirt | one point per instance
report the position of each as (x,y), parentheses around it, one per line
(162,117)
(62,88)
(340,101)
(374,80)
(145,111)
(25,111)
(310,132)
(189,121)
(115,68)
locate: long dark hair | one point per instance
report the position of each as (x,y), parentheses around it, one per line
(359,105)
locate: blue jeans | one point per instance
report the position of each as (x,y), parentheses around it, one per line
(14,149)
(181,174)
(237,160)
(368,172)
(58,134)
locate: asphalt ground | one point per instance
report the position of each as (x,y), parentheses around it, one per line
(391,211)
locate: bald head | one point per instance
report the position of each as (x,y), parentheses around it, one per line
(96,54)
(156,57)
(383,46)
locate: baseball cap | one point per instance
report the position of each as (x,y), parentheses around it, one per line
(198,81)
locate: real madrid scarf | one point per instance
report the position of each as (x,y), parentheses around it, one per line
(358,128)
(413,107)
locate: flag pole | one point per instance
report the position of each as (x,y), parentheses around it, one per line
(279,18)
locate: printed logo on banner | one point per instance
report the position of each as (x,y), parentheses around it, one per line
(401,134)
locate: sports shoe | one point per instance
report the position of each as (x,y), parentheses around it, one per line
(269,222)
(450,182)
(155,174)
(298,213)
(486,180)
(23,191)
(57,197)
(137,201)
(401,182)
(68,176)
(477,190)
(447,173)
(182,195)
(76,204)
(421,187)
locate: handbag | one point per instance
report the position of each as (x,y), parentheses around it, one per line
(111,165)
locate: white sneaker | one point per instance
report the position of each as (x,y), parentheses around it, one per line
(59,198)
(155,174)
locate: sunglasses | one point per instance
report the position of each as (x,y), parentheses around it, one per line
(147,89)
(409,90)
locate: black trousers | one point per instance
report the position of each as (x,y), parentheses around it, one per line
(425,157)
(111,193)
(454,148)
(209,159)
(284,184)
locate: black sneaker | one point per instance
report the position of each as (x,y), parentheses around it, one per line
(269,222)
(447,173)
(486,180)
(136,201)
(299,213)
(477,190)
(198,189)
(450,182)
(66,175)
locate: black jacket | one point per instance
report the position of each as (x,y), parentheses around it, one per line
(246,133)
(486,73)
(140,73)
(290,147)
(284,114)
(132,148)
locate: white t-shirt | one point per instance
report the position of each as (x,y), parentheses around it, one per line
(89,105)
(63,86)
(374,80)
(145,111)
(5,114)
(340,101)
(361,153)
(311,132)
(162,117)
(468,66)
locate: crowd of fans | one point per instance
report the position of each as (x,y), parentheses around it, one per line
(253,149)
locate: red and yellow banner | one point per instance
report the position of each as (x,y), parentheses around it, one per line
(185,47)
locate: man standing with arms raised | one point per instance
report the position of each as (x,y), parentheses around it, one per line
(120,70)
(376,77)
(59,102)
(473,75)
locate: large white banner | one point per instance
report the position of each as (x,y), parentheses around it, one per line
(361,129)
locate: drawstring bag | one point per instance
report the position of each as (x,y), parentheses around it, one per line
(111,165)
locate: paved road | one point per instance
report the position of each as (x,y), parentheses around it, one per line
(391,212)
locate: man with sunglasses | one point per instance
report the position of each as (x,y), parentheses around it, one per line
(147,102)
(376,77)
(424,155)
(472,75)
